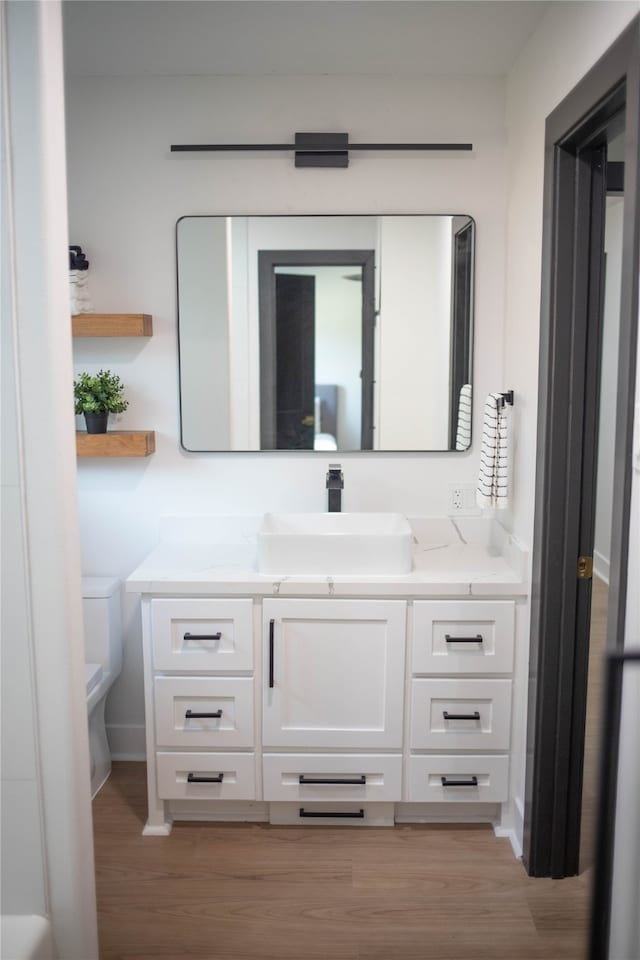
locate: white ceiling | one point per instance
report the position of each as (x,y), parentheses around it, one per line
(388,37)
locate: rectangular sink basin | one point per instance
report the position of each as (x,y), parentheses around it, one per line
(304,544)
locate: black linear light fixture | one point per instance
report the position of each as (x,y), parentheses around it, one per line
(317,149)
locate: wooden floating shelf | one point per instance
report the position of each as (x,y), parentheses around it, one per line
(116,443)
(111,325)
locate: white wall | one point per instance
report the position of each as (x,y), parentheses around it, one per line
(567,42)
(203,284)
(608,385)
(339,348)
(415,306)
(23,866)
(47,844)
(126,193)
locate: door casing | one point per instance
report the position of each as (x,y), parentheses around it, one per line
(557,671)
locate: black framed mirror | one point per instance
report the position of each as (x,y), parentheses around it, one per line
(343,333)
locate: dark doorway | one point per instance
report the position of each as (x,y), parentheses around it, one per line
(578,135)
(278,359)
(295,340)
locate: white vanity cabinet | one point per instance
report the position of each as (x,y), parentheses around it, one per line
(199,697)
(326,709)
(460,709)
(333,673)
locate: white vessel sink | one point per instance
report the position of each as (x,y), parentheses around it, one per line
(304,544)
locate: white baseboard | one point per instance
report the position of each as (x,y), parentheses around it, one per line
(601,566)
(515,831)
(127,741)
(510,834)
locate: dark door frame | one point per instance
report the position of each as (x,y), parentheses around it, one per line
(463,244)
(558,656)
(267,261)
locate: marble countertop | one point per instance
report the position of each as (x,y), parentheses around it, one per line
(216,556)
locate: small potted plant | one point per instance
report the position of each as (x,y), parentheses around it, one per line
(98,396)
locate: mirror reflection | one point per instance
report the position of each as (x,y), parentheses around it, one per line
(325,332)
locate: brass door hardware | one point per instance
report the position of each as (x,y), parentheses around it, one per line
(585,568)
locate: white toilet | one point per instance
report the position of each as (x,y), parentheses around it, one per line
(103,660)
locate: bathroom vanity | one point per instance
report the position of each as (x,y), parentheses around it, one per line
(363,699)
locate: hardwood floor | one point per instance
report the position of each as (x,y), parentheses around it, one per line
(256,892)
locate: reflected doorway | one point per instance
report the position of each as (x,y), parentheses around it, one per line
(317,316)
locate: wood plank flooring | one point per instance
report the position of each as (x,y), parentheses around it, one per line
(256,892)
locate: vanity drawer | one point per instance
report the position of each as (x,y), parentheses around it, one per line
(458,779)
(202,636)
(333,814)
(460,714)
(463,636)
(228,699)
(332,777)
(230,776)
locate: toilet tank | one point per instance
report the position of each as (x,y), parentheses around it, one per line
(102,622)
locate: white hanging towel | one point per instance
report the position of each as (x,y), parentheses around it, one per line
(493,479)
(463,431)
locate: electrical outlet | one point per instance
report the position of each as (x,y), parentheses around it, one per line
(456,498)
(462,499)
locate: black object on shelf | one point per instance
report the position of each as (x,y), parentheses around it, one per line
(77,259)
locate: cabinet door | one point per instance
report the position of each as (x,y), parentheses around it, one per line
(333,673)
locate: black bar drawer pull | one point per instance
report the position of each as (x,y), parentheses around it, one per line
(357,781)
(190,715)
(193,779)
(351,815)
(477,639)
(461,716)
(272,625)
(472,782)
(202,636)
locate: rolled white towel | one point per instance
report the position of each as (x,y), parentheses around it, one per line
(493,478)
(80,301)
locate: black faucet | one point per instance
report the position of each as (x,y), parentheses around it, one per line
(335,486)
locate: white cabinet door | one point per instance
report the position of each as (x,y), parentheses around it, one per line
(333,673)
